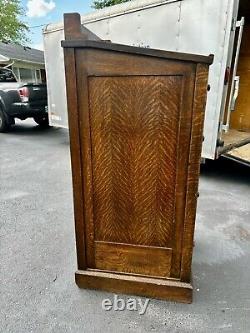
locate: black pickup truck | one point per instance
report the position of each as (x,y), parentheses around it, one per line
(22,101)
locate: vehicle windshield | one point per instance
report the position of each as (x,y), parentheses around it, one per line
(6,75)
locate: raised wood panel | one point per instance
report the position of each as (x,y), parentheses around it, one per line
(134,126)
(104,64)
(136,120)
(133,259)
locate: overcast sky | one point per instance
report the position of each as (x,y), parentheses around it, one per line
(42,12)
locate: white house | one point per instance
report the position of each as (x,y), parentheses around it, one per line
(26,63)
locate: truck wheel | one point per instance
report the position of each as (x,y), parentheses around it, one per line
(4,124)
(42,121)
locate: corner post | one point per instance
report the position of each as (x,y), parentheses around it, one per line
(72,26)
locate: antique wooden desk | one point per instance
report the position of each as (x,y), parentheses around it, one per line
(136,121)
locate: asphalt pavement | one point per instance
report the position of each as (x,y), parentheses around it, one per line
(38,259)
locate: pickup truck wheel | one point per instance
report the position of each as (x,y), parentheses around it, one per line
(4,124)
(42,121)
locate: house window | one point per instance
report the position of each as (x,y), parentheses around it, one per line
(43,75)
(16,72)
(27,75)
(38,76)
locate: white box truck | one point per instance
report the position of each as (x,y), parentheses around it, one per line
(219,27)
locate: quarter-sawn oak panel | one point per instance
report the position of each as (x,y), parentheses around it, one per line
(135,118)
(133,259)
(134,126)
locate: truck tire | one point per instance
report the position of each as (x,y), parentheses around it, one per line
(42,121)
(4,123)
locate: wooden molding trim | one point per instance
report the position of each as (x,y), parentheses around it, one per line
(134,285)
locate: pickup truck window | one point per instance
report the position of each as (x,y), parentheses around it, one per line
(6,75)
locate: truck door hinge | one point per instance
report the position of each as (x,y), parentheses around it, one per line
(240,23)
(237,24)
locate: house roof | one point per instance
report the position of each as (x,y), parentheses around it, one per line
(22,53)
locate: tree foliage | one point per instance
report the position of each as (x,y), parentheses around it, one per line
(12,28)
(106,3)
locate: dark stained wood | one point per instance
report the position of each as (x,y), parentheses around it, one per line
(91,44)
(74,29)
(72,26)
(76,162)
(193,167)
(136,121)
(99,67)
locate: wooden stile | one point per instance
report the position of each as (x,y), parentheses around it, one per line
(136,121)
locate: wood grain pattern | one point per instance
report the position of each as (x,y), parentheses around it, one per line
(135,285)
(196,139)
(134,126)
(128,258)
(76,161)
(104,45)
(136,121)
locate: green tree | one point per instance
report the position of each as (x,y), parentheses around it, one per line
(12,28)
(106,3)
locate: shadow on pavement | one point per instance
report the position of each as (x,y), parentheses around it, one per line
(226,169)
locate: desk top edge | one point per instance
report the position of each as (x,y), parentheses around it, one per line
(104,45)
